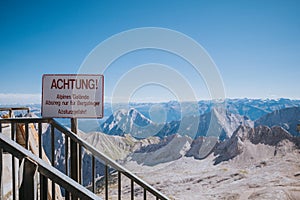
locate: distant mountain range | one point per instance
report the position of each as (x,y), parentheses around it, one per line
(169,114)
(252,108)
(218,121)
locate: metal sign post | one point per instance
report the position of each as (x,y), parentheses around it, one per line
(74,154)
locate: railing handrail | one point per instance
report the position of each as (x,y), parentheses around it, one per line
(11,109)
(45,169)
(91,149)
(14,108)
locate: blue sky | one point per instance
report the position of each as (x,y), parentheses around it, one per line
(255,44)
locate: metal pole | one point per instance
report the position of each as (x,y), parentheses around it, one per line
(1,173)
(28,186)
(74,154)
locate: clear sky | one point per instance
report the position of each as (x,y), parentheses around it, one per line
(255,44)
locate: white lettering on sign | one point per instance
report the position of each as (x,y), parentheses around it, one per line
(72,96)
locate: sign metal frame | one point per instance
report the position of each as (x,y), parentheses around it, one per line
(88,107)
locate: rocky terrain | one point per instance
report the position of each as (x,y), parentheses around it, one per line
(254,163)
(260,163)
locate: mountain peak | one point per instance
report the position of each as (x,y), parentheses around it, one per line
(125,121)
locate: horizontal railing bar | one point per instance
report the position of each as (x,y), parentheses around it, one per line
(14,108)
(25,120)
(47,170)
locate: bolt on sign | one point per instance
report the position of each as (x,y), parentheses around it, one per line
(72,95)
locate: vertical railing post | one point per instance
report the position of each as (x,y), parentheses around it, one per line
(119,185)
(145,194)
(1,173)
(43,179)
(13,137)
(28,188)
(67,194)
(106,181)
(53,157)
(74,154)
(10,113)
(132,189)
(26,136)
(93,175)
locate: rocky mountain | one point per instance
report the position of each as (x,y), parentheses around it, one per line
(245,137)
(117,147)
(217,123)
(129,121)
(287,118)
(168,149)
(219,132)
(202,147)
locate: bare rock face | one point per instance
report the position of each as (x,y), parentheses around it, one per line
(284,147)
(275,136)
(202,147)
(271,136)
(234,146)
(173,148)
(287,118)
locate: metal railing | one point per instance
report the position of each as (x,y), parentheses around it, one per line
(33,163)
(73,161)
(12,109)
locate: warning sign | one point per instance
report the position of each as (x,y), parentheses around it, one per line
(72,95)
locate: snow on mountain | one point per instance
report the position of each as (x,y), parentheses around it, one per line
(287,118)
(128,121)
